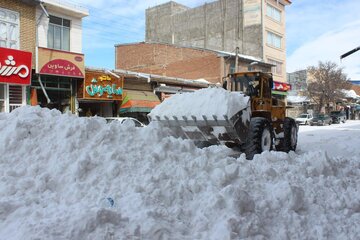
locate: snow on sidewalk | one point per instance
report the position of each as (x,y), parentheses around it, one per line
(57,172)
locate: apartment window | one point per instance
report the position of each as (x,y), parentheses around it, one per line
(273,40)
(59,33)
(278,66)
(273,13)
(9,29)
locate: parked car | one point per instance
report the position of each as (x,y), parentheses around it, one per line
(338,116)
(123,120)
(304,118)
(321,120)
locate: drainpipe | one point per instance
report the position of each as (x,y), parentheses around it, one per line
(144,76)
(37,45)
(111,73)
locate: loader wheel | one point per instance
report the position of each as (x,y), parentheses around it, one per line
(289,142)
(259,139)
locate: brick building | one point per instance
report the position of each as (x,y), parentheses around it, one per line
(181,62)
(17,31)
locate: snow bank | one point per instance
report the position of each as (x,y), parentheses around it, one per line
(203,102)
(64,177)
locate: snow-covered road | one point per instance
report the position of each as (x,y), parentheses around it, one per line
(58,173)
(337,140)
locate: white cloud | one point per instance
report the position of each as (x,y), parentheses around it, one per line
(329,47)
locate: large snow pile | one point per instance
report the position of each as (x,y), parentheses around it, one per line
(64,177)
(203,102)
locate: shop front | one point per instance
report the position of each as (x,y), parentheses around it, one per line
(58,75)
(138,104)
(100,93)
(280,90)
(15,75)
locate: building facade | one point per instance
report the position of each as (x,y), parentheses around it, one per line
(49,32)
(298,82)
(255,27)
(17,51)
(60,63)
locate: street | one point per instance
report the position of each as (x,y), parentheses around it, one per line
(338,140)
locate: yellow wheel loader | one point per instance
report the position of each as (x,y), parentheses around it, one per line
(266,126)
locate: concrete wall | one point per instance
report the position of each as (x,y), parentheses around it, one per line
(27,24)
(171,61)
(221,25)
(218,25)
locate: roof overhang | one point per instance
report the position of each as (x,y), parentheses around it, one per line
(31,2)
(65,8)
(284,2)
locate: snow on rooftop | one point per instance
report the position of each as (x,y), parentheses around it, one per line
(204,102)
(350,94)
(242,56)
(202,80)
(297,99)
(64,177)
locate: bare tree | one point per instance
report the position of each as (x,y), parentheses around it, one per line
(327,80)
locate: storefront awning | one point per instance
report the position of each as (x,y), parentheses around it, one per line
(138,101)
(279,93)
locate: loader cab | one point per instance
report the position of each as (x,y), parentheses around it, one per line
(258,86)
(253,84)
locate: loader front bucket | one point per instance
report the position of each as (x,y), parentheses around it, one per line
(213,130)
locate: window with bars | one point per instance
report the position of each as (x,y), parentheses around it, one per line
(2,97)
(278,66)
(9,29)
(273,40)
(273,13)
(59,33)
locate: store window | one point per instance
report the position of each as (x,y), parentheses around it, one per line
(59,33)
(273,40)
(273,13)
(15,97)
(278,67)
(9,29)
(2,97)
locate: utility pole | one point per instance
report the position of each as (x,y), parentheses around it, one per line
(237,60)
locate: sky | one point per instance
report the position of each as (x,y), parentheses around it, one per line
(316,31)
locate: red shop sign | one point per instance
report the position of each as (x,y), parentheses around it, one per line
(15,66)
(61,67)
(281,86)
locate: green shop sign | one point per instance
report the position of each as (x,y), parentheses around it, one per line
(103,90)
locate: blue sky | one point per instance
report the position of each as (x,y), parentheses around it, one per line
(316,30)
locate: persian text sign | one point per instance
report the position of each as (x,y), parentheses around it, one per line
(102,86)
(15,66)
(60,63)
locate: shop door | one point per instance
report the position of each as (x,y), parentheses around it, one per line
(9,29)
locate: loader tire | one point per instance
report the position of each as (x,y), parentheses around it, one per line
(259,138)
(289,142)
